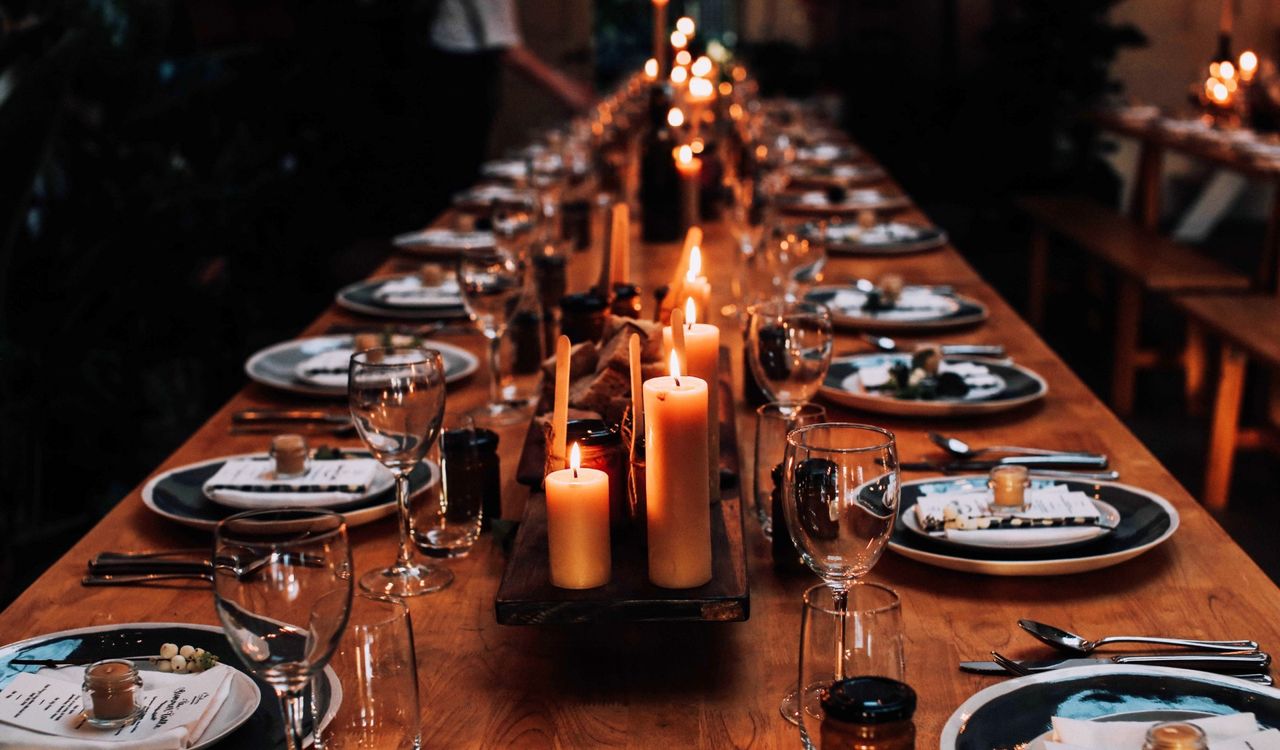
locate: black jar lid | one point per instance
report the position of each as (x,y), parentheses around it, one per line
(583,302)
(625,291)
(591,432)
(481,439)
(868,700)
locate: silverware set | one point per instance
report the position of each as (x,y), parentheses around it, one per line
(162,566)
(1042,462)
(1240,658)
(271,421)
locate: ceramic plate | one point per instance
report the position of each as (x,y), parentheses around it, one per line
(1016,712)
(1017,386)
(480,199)
(817,203)
(824,175)
(946,309)
(178,494)
(894,238)
(249,719)
(443,243)
(911,523)
(1146,520)
(362,297)
(827,153)
(275,366)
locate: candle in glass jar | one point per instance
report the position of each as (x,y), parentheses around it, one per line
(1008,486)
(578,525)
(677,511)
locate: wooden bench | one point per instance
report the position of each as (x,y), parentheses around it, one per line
(1144,261)
(1248,325)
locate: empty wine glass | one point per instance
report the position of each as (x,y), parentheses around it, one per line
(840,498)
(397,403)
(283,617)
(492,282)
(789,348)
(795,254)
(515,218)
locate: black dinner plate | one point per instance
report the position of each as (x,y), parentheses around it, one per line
(967,312)
(362,297)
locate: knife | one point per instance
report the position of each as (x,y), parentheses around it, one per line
(251,416)
(1222,662)
(1082,460)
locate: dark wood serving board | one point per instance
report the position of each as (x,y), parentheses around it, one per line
(526,596)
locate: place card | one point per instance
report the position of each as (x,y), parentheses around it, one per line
(350,475)
(971,511)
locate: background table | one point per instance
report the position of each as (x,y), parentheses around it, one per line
(718,685)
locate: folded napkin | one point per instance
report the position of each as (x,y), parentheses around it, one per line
(914,303)
(326,369)
(409,291)
(252,483)
(1230,732)
(448,239)
(1054,515)
(43,710)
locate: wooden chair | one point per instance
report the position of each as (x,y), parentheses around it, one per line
(1248,325)
(1145,262)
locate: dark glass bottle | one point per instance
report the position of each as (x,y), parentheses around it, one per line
(659,180)
(868,713)
(471,460)
(786,558)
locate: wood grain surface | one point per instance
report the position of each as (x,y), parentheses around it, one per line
(704,685)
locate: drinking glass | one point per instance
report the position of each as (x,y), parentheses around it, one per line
(447,522)
(282,589)
(773,421)
(870,623)
(789,348)
(397,403)
(492,282)
(795,254)
(840,498)
(376,667)
(515,218)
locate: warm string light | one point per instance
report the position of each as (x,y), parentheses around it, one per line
(679,40)
(679,75)
(701,66)
(683,57)
(675,117)
(651,69)
(685,25)
(700,88)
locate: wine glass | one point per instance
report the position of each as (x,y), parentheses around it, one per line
(397,403)
(515,216)
(840,498)
(282,589)
(492,282)
(795,254)
(789,348)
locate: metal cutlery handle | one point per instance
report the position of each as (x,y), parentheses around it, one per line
(1261,679)
(153,553)
(1081,476)
(133,580)
(1205,662)
(149,565)
(289,415)
(1194,643)
(1085,460)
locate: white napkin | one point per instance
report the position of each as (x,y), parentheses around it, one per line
(446,239)
(409,291)
(914,303)
(1047,503)
(181,707)
(326,369)
(1230,732)
(251,483)
(885,234)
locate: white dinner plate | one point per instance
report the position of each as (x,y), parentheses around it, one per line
(363,297)
(1018,386)
(943,309)
(276,365)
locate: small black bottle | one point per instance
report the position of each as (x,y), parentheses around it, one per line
(659,180)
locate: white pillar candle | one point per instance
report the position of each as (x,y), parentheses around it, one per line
(702,360)
(578,525)
(678,512)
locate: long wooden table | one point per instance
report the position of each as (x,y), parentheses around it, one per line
(718,685)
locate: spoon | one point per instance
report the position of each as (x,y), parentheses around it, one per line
(1065,641)
(961,449)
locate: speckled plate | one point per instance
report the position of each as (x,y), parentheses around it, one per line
(1018,386)
(955,311)
(1146,521)
(250,718)
(1017,712)
(362,297)
(276,366)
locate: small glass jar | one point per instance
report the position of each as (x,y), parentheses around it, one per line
(1175,735)
(1008,488)
(634,443)
(626,301)
(109,693)
(868,713)
(472,468)
(582,316)
(602,448)
(291,455)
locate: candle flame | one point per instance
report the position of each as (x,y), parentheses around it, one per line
(685,25)
(697,146)
(1227,69)
(700,88)
(1215,69)
(1248,64)
(1218,92)
(690,312)
(675,117)
(695,264)
(701,66)
(679,75)
(575,458)
(674,364)
(726,88)
(683,57)
(684,155)
(651,68)
(679,40)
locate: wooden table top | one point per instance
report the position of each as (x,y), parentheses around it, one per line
(718,685)
(1219,153)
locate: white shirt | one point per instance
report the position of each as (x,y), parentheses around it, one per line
(453,32)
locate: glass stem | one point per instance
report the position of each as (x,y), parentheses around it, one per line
(840,597)
(292,710)
(405,558)
(495,369)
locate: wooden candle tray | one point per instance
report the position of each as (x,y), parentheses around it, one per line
(526,596)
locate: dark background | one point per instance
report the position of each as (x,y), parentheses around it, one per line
(182,183)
